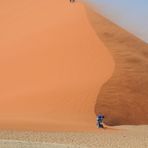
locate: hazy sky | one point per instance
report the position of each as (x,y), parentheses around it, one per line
(130,14)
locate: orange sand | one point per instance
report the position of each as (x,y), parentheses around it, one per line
(52,66)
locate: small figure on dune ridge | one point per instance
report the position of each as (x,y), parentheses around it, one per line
(72,1)
(100,118)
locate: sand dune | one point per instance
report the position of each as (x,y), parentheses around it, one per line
(52,66)
(124,98)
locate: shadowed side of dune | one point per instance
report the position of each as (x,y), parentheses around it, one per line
(124,98)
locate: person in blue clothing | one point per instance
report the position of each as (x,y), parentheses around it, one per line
(100,118)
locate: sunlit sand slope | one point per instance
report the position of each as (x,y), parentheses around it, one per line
(52,66)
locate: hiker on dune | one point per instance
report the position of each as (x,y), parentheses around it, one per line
(72,1)
(100,118)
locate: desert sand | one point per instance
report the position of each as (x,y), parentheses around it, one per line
(122,137)
(52,66)
(124,98)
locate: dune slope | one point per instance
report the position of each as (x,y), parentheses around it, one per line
(52,66)
(124,98)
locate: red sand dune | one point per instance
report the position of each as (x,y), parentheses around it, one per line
(52,66)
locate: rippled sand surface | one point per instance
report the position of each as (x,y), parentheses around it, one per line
(119,137)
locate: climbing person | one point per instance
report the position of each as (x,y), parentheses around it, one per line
(100,118)
(72,1)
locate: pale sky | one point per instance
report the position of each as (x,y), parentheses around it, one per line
(130,14)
